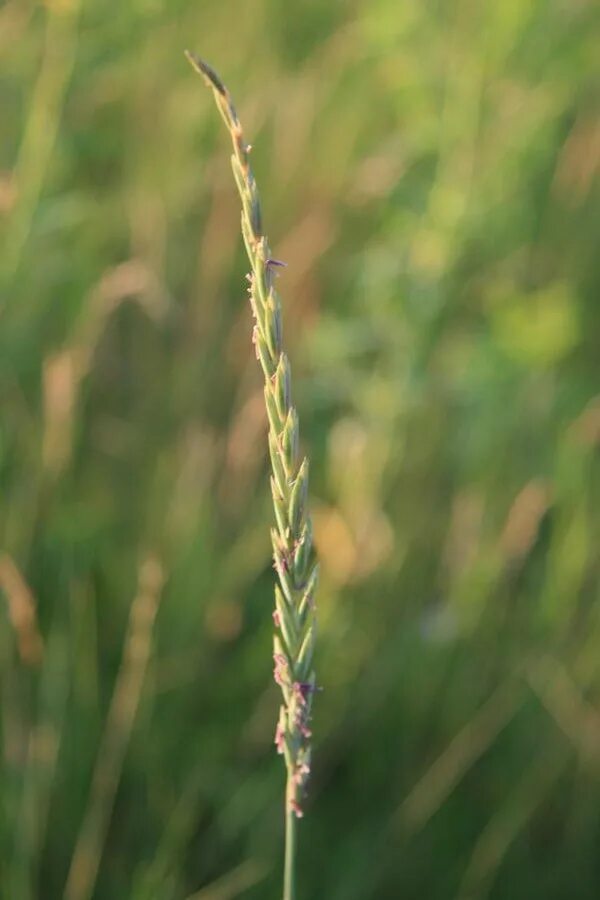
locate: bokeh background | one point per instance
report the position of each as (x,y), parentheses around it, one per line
(429,173)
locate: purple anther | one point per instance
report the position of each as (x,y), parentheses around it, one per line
(281,567)
(280,669)
(296,808)
(275,263)
(279,738)
(301,773)
(304,688)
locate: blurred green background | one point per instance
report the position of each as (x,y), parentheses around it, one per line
(428,171)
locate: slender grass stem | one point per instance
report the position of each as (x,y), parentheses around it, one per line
(289,870)
(294,615)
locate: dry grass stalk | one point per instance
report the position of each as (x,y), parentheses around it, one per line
(21,612)
(117,732)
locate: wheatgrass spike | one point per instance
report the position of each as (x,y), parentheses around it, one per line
(294,613)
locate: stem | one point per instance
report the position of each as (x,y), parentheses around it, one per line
(289,888)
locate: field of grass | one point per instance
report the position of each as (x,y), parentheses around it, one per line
(429,173)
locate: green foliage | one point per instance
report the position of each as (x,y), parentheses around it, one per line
(429,173)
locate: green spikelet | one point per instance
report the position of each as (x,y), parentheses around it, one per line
(294,613)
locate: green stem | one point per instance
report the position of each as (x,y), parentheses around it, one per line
(289,889)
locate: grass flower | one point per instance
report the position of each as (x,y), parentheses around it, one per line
(294,614)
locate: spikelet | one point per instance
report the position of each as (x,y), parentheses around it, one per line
(294,613)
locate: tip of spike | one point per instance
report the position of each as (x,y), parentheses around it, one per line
(207,71)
